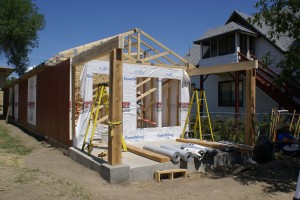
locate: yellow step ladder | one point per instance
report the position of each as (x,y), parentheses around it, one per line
(200,99)
(101,101)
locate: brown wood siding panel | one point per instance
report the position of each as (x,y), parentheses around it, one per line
(5,101)
(23,94)
(52,115)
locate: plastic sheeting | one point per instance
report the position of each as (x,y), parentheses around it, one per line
(31,103)
(185,155)
(130,74)
(174,155)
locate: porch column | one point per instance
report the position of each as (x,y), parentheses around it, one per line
(237,95)
(237,45)
(115,107)
(201,88)
(250,107)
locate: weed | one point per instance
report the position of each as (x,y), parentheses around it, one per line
(27,175)
(12,144)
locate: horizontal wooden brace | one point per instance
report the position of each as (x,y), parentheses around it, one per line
(146,94)
(99,50)
(224,68)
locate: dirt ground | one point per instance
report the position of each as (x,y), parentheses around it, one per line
(46,173)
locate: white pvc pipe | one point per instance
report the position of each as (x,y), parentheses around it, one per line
(174,155)
(199,154)
(185,155)
(198,147)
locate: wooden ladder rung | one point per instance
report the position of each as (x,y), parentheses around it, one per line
(170,173)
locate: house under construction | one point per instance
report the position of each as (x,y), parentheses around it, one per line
(130,87)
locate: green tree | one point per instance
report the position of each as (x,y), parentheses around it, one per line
(19,26)
(283,16)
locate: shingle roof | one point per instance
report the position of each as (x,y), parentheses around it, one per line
(227,28)
(194,55)
(282,42)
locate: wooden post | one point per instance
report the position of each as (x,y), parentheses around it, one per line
(73,103)
(237,95)
(250,107)
(115,107)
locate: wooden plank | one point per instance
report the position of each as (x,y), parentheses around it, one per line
(143,82)
(138,56)
(163,46)
(102,119)
(156,51)
(170,173)
(146,94)
(129,46)
(148,154)
(250,107)
(155,56)
(115,107)
(99,50)
(215,145)
(232,67)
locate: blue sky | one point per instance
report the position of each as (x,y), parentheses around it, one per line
(176,24)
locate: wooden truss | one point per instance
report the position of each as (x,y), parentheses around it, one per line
(137,45)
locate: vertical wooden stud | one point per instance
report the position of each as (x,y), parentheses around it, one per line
(115,108)
(250,107)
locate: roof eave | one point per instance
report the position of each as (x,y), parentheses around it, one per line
(241,31)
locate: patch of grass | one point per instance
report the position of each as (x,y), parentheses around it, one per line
(27,175)
(12,144)
(80,193)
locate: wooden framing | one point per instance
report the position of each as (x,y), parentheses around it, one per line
(250,107)
(232,67)
(148,154)
(115,107)
(98,51)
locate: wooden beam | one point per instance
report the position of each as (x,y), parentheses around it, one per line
(216,145)
(155,56)
(148,154)
(143,82)
(102,119)
(115,107)
(232,67)
(163,46)
(250,107)
(156,51)
(99,50)
(138,46)
(129,45)
(146,94)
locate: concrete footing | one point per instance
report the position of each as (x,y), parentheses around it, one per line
(136,168)
(115,174)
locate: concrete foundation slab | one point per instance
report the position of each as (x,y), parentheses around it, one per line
(115,174)
(135,168)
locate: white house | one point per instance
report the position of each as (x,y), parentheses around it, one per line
(236,41)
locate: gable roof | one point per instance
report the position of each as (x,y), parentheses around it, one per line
(227,28)
(283,42)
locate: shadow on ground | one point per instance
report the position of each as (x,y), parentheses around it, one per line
(277,176)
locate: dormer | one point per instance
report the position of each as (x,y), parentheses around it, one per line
(225,41)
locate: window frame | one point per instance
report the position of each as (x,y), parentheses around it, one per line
(231,90)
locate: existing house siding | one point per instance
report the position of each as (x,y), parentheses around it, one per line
(262,46)
(230,58)
(263,102)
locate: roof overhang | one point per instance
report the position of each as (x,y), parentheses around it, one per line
(6,70)
(223,34)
